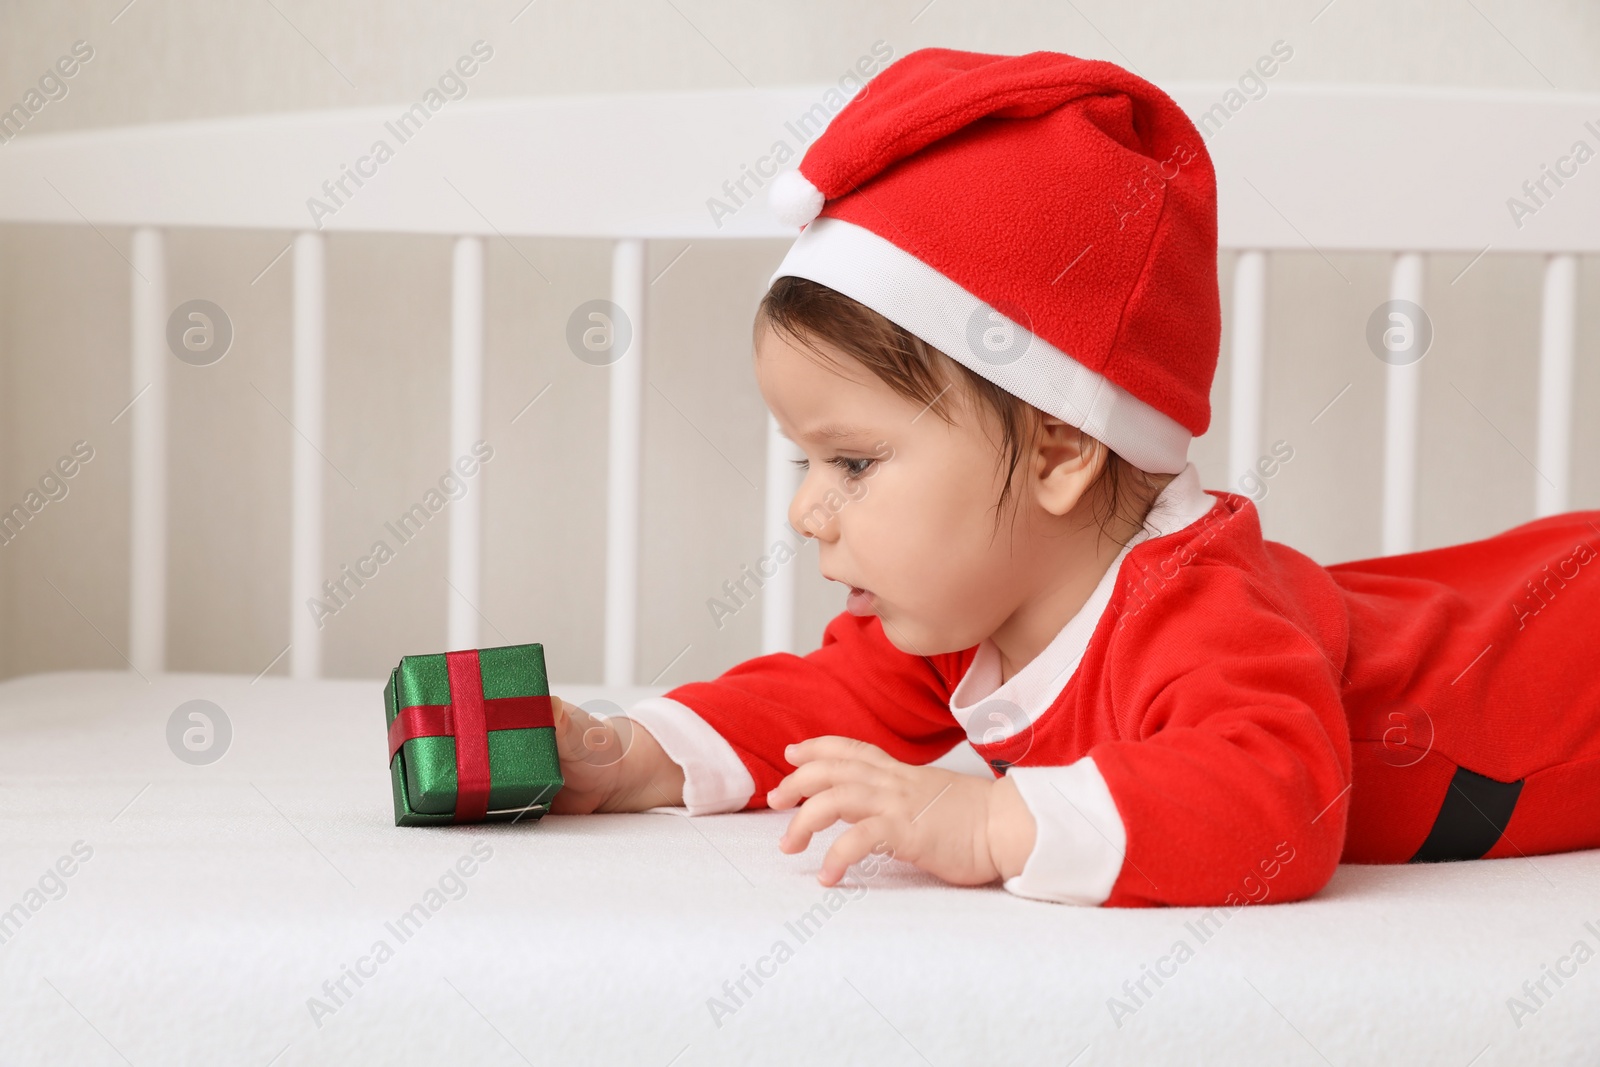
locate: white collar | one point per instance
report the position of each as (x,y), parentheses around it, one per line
(991,712)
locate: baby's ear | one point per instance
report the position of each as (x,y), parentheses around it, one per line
(1069,441)
(1064,465)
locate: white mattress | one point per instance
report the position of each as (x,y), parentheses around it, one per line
(218,901)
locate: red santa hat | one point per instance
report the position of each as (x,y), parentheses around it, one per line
(1049,222)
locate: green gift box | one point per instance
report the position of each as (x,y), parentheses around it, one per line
(471,737)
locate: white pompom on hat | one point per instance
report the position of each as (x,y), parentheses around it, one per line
(793,199)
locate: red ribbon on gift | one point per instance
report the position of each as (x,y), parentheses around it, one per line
(468,718)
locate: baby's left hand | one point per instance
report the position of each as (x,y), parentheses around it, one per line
(934,818)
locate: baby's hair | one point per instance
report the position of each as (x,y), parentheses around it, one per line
(809,312)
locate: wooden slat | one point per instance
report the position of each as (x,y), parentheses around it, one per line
(147,593)
(466,427)
(1305,166)
(1558,325)
(624,435)
(1402,412)
(305,488)
(1248,362)
(778,592)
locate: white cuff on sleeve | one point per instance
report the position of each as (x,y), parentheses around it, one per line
(1079,839)
(715,779)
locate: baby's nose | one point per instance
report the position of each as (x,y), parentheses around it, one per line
(810,515)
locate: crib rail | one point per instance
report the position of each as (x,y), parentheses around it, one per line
(1399,170)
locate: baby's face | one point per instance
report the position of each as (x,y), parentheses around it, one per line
(900,502)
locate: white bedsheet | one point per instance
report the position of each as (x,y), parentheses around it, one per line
(219,899)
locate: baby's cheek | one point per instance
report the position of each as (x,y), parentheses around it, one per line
(915,539)
(906,554)
(932,585)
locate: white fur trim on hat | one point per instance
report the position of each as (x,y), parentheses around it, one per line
(793,199)
(908,292)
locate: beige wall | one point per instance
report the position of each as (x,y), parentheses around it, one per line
(64,319)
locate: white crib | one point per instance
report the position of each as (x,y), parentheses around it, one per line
(219,900)
(1401,171)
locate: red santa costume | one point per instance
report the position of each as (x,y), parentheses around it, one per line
(1224,720)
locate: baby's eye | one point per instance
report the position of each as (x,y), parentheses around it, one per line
(853,468)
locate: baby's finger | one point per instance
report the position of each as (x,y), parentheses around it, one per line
(852,803)
(569,728)
(584,737)
(818,775)
(854,844)
(832,746)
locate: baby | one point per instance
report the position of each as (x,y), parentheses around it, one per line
(993,341)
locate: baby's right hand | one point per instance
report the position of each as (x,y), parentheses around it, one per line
(610,764)
(591,752)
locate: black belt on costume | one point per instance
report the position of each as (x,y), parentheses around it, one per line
(1471,819)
